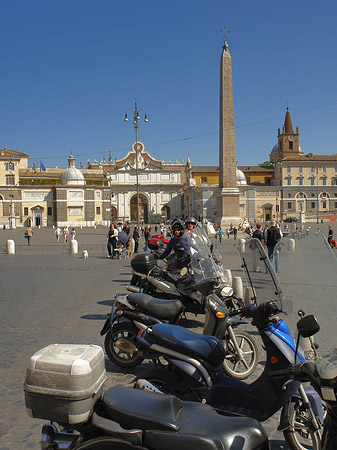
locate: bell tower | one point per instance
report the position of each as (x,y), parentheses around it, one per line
(287,141)
(228,210)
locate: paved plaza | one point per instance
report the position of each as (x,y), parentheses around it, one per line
(50,296)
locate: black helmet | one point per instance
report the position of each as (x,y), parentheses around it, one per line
(177,223)
(192,220)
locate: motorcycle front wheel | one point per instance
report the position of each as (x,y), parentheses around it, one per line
(121,345)
(234,365)
(301,435)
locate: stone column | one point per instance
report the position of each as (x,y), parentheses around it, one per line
(228,198)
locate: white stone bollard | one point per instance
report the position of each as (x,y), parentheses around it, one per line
(249,294)
(291,245)
(73,246)
(228,274)
(10,247)
(237,286)
(242,245)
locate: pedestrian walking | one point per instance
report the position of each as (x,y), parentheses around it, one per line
(112,239)
(258,233)
(130,246)
(73,234)
(29,233)
(58,234)
(65,233)
(235,232)
(136,237)
(273,237)
(228,233)
(221,235)
(147,236)
(330,235)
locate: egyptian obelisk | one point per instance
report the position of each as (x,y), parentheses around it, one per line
(228,210)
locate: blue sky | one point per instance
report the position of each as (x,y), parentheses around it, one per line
(70,69)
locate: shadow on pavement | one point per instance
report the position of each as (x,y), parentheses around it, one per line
(94,317)
(105,302)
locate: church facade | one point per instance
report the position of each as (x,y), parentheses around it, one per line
(101,193)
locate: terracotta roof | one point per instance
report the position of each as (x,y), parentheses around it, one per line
(205,169)
(11,153)
(311,157)
(256,169)
(215,169)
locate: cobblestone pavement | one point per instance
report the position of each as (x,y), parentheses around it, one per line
(50,296)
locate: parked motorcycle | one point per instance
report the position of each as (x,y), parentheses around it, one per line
(64,386)
(133,312)
(192,368)
(205,263)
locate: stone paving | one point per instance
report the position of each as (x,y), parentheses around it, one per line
(50,296)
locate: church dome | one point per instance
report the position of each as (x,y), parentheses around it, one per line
(275,149)
(72,175)
(240,177)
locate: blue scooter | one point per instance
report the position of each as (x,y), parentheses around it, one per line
(193,365)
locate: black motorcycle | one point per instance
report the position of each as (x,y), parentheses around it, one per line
(133,312)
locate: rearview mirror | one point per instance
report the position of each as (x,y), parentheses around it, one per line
(308,326)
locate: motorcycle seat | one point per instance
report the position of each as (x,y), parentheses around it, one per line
(207,348)
(160,308)
(133,408)
(168,422)
(200,427)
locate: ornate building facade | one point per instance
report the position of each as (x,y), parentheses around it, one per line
(101,193)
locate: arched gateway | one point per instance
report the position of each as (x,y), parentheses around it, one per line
(143,208)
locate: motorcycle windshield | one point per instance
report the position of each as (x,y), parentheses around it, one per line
(301,273)
(261,278)
(205,261)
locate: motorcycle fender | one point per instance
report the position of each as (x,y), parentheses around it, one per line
(106,326)
(315,402)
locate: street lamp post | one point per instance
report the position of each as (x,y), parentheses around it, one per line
(136,118)
(317,167)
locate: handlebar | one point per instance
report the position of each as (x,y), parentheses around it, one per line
(268,309)
(301,372)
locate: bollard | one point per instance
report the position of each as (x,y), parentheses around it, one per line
(10,247)
(73,247)
(291,245)
(249,295)
(242,245)
(228,275)
(237,286)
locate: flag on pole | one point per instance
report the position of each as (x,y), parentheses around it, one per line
(42,166)
(34,168)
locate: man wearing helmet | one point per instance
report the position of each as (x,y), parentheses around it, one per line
(190,224)
(179,244)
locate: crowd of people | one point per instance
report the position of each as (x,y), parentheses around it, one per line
(122,241)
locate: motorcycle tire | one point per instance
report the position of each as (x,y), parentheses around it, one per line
(120,345)
(105,443)
(300,435)
(168,383)
(240,369)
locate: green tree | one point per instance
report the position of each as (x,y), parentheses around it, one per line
(265,164)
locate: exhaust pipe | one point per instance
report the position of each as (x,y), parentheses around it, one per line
(132,288)
(145,385)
